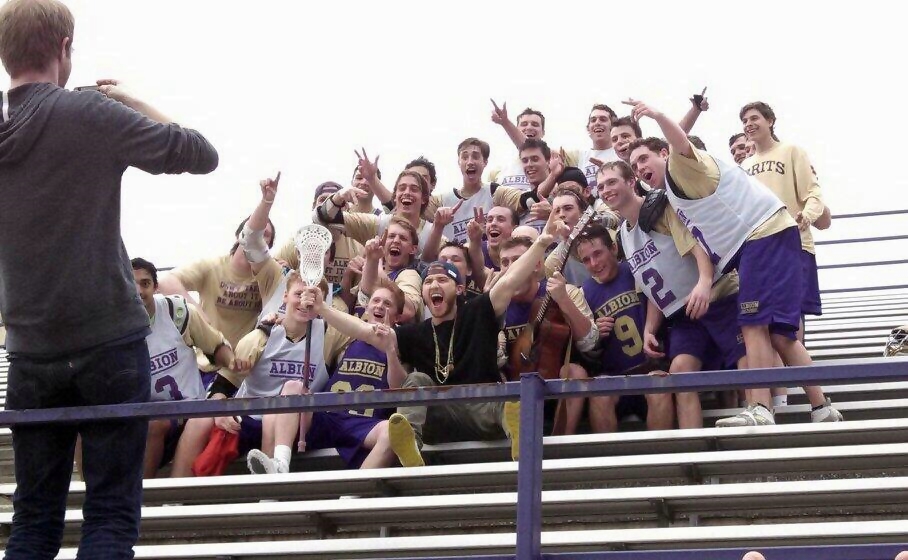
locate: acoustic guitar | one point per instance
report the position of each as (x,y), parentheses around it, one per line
(542,344)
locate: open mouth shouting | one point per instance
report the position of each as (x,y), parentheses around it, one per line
(406,201)
(436,301)
(471,172)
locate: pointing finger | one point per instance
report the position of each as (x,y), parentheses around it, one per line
(494,104)
(457,206)
(704,91)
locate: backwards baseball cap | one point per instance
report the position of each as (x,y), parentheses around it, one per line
(572,174)
(441,267)
(328,187)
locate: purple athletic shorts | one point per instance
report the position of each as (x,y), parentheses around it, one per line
(811,304)
(771,287)
(714,339)
(250,434)
(341,431)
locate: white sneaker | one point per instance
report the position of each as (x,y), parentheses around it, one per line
(753,415)
(826,413)
(259,463)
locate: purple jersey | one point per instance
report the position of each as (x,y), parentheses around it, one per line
(362,368)
(623,348)
(487,257)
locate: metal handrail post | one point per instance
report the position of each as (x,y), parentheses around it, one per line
(529,469)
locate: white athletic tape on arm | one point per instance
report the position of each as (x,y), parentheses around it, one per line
(253,244)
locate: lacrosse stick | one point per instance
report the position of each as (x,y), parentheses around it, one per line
(312,242)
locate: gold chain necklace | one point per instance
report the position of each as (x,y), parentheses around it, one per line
(442,372)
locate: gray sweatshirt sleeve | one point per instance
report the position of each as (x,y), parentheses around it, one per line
(151,146)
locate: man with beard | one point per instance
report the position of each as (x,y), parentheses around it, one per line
(457,345)
(396,249)
(411,195)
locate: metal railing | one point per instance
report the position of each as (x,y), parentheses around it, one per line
(531,391)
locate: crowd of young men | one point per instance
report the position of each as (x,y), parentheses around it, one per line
(650,255)
(632,256)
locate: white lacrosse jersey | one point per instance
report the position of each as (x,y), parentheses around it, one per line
(590,169)
(283,360)
(512,175)
(665,276)
(457,230)
(723,221)
(174,372)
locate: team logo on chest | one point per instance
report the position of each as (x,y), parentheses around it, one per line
(291,369)
(643,256)
(164,361)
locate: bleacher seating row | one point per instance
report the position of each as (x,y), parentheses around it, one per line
(791,484)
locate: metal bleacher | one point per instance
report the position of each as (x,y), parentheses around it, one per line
(787,490)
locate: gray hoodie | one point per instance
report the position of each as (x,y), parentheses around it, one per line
(66,284)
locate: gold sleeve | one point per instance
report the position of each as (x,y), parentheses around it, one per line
(288,253)
(410,284)
(508,197)
(576,295)
(193,276)
(697,176)
(806,185)
(335,344)
(200,334)
(360,227)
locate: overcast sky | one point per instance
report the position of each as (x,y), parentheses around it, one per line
(296,86)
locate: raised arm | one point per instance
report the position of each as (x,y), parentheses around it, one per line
(475,229)
(143,137)
(518,273)
(699,104)
(374,251)
(252,238)
(369,169)
(345,324)
(500,117)
(444,216)
(674,135)
(556,168)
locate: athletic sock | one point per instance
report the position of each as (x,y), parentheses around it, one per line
(780,400)
(282,453)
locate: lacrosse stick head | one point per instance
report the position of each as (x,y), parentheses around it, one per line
(312,242)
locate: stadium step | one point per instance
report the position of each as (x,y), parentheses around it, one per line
(828,533)
(663,506)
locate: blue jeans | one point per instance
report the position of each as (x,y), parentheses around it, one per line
(112,452)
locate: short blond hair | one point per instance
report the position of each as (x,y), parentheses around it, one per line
(31,32)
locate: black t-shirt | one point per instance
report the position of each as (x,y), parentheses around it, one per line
(475,344)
